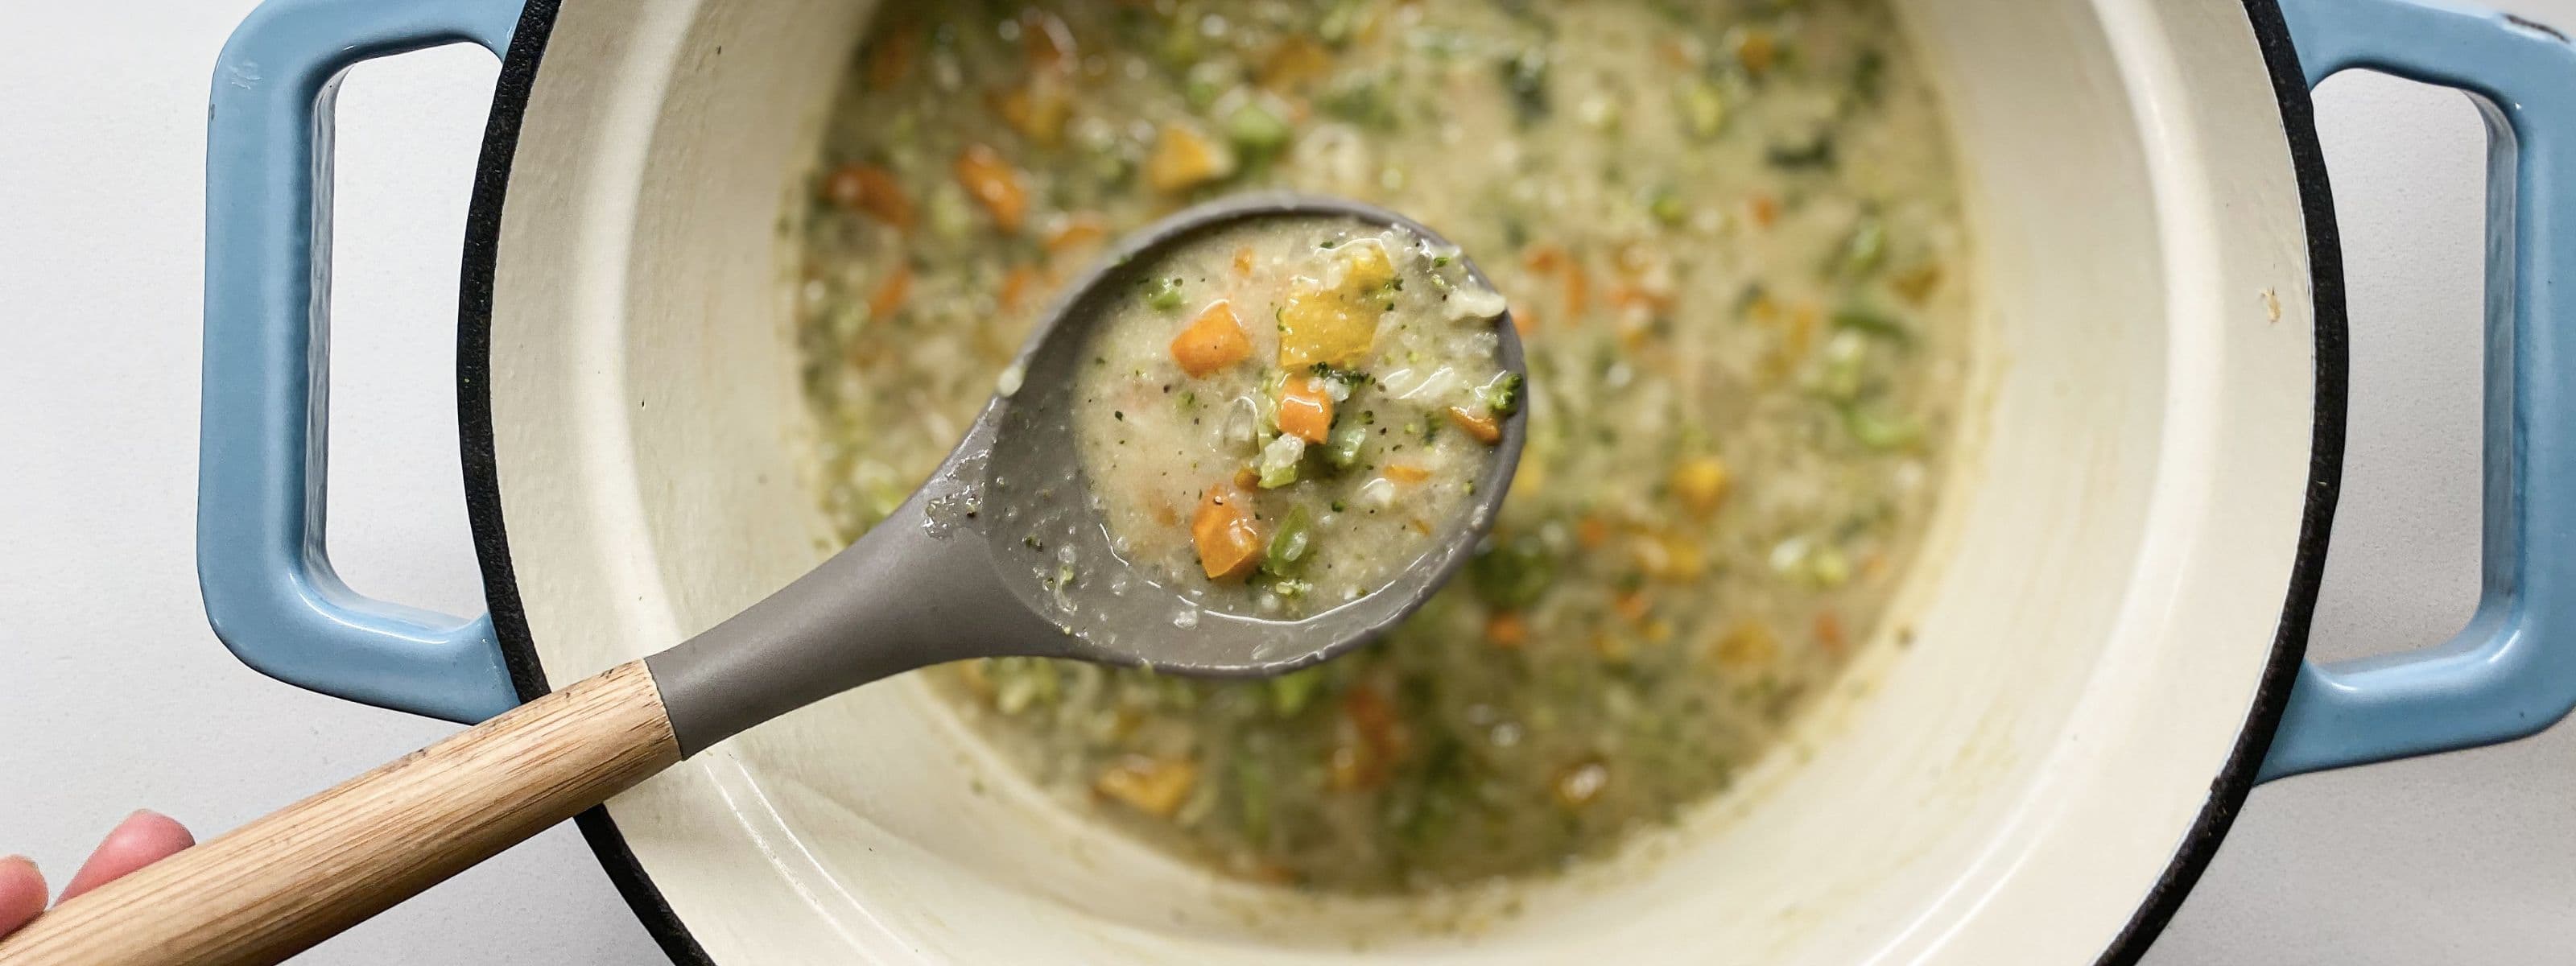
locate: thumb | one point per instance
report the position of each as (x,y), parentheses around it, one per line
(143,838)
(22,892)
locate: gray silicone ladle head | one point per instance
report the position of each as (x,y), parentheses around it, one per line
(972,564)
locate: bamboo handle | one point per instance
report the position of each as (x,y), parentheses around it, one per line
(272,888)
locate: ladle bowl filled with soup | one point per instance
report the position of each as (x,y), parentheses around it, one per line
(1933,418)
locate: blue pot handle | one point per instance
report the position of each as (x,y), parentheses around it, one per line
(270,590)
(2512,671)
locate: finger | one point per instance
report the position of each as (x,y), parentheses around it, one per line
(143,838)
(22,892)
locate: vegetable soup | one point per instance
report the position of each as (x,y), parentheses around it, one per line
(1732,245)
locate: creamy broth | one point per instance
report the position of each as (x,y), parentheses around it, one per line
(1730,239)
(1288,412)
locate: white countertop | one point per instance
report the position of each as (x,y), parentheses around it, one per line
(114,695)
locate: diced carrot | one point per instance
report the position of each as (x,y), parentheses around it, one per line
(1757,50)
(1212,342)
(1829,632)
(1246,478)
(993,181)
(1154,786)
(1380,740)
(1764,210)
(1506,630)
(868,188)
(1243,260)
(1183,159)
(1632,605)
(1591,532)
(1578,282)
(891,293)
(1017,286)
(1305,409)
(1524,321)
(1076,232)
(892,56)
(1543,258)
(1402,473)
(1229,542)
(1374,715)
(1483,426)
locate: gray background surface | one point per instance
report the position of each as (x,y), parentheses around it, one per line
(113,695)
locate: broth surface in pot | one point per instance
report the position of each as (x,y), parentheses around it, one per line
(1730,234)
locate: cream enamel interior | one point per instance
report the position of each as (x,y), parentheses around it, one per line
(2090,622)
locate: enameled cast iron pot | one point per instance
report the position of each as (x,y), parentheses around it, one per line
(2107,631)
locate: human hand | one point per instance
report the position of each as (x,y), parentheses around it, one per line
(143,838)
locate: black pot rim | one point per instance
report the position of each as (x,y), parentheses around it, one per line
(2227,791)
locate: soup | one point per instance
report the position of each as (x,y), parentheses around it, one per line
(1732,245)
(1289,411)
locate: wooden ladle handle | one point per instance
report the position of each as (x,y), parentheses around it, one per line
(278,885)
